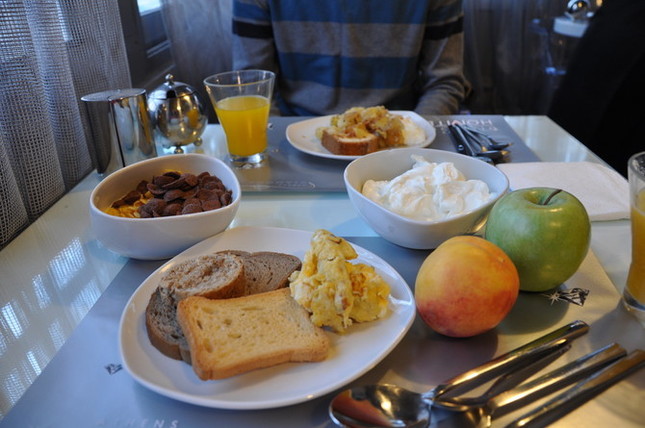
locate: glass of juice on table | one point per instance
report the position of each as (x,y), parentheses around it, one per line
(634,294)
(242,100)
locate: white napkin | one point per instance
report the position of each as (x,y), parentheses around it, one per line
(603,191)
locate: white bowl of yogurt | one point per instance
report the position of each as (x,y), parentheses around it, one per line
(417,198)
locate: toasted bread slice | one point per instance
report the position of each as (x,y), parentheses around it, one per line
(227,337)
(350,146)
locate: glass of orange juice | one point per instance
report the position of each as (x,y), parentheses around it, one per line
(242,100)
(634,294)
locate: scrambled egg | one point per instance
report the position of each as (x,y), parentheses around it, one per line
(335,291)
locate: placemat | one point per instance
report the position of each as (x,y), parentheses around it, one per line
(85,386)
(289,169)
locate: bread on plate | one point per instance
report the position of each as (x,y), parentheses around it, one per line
(221,275)
(233,336)
(359,131)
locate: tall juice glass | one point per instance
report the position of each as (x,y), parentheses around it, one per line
(634,294)
(242,100)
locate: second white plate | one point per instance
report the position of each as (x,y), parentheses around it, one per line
(302,135)
(351,354)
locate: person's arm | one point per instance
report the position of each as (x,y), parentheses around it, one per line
(443,85)
(253,44)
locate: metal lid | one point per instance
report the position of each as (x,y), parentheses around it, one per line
(171,89)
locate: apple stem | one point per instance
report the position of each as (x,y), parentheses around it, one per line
(548,199)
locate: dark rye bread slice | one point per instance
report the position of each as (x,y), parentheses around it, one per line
(262,271)
(164,331)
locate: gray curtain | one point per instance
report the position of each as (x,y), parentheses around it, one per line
(200,35)
(508,54)
(51,53)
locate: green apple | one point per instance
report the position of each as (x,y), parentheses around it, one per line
(545,232)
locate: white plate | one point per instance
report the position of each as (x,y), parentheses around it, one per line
(302,135)
(351,354)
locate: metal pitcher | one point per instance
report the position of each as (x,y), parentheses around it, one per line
(120,128)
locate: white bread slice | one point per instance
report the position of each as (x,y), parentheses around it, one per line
(349,146)
(227,337)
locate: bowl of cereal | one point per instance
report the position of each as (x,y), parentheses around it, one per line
(417,197)
(156,208)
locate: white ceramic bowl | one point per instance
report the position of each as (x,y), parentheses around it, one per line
(160,237)
(416,234)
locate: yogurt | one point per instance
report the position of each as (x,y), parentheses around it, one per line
(429,191)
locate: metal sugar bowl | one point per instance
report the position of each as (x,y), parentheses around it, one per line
(177,114)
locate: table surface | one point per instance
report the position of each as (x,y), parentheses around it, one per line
(55,271)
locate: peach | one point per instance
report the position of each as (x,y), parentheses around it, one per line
(465,287)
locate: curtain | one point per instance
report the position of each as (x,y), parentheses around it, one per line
(509,54)
(200,35)
(52,52)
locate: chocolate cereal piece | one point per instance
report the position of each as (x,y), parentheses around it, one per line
(173,194)
(172,209)
(226,198)
(142,187)
(213,204)
(162,180)
(191,209)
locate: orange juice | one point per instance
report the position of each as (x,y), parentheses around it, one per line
(636,278)
(244,119)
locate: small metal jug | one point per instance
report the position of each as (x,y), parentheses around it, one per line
(120,128)
(177,114)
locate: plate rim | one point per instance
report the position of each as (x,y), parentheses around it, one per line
(326,154)
(129,312)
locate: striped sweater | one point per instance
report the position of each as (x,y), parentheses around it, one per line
(330,55)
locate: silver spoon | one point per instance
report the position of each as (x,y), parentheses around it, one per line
(391,406)
(365,406)
(367,402)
